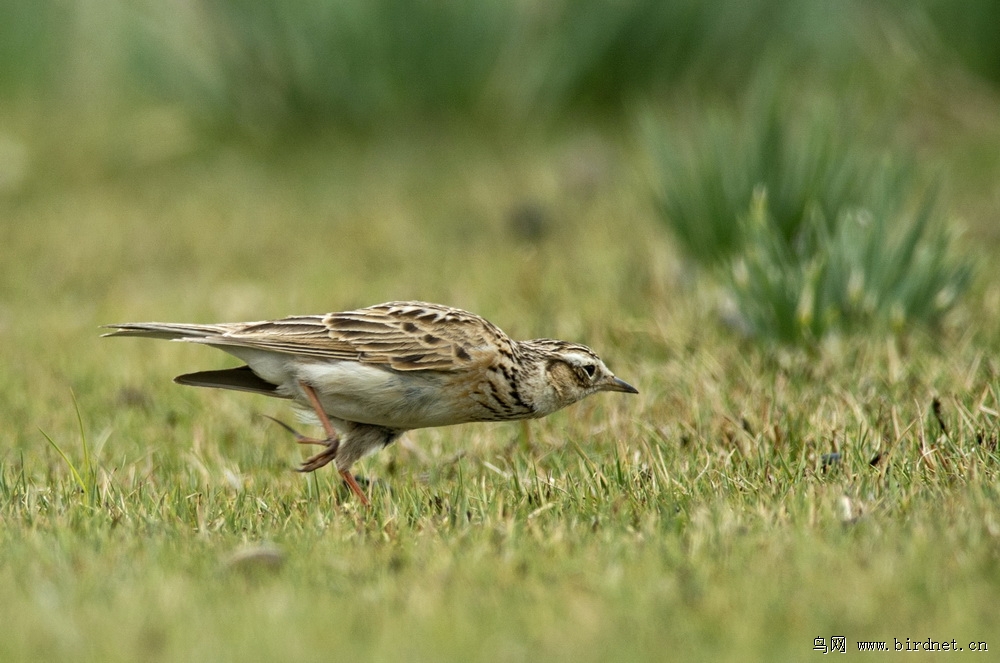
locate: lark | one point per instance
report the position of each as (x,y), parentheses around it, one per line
(372,374)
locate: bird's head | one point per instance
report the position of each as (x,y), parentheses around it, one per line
(569,373)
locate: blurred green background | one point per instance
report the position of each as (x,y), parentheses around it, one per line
(811,117)
(778,219)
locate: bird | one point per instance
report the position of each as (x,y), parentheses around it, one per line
(369,375)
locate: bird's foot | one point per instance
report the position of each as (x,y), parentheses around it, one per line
(324,457)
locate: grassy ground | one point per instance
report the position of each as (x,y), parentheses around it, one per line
(751,499)
(701,519)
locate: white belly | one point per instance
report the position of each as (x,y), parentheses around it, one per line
(362,393)
(381,396)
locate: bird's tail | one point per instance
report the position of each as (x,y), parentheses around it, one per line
(165,330)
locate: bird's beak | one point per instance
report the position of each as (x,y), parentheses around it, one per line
(617,384)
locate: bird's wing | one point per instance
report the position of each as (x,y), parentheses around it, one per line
(405,336)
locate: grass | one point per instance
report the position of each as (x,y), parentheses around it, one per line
(813,235)
(294,68)
(871,271)
(233,68)
(807,167)
(580,547)
(964,35)
(704,515)
(750,499)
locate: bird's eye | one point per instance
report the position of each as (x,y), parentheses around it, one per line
(590,370)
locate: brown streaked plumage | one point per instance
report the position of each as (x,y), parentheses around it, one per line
(371,374)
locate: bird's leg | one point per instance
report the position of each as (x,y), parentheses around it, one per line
(331,433)
(332,442)
(352,483)
(324,457)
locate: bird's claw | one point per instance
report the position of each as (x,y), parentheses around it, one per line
(327,455)
(324,457)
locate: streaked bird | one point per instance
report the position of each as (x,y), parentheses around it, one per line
(370,375)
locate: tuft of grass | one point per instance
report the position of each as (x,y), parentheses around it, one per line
(812,235)
(870,270)
(706,184)
(86,477)
(87,480)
